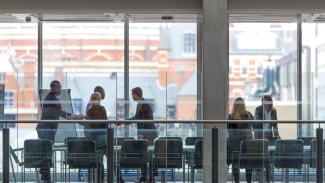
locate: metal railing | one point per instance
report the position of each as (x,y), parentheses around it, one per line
(110,142)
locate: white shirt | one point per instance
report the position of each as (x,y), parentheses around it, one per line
(267,116)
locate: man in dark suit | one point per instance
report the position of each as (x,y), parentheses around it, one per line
(51,110)
(266,111)
(145,130)
(268,131)
(143,112)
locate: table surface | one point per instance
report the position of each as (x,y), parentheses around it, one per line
(273,147)
(63,147)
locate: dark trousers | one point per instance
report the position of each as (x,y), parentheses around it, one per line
(48,134)
(233,158)
(268,135)
(101,143)
(236,175)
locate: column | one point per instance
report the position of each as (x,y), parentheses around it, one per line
(215,83)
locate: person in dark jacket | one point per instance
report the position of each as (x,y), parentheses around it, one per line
(97,131)
(96,111)
(268,131)
(237,132)
(266,111)
(51,110)
(101,91)
(144,112)
(146,130)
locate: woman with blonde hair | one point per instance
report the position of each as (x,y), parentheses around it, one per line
(97,131)
(95,111)
(237,132)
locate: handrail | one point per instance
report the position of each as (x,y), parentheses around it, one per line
(168,121)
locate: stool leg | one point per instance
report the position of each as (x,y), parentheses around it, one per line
(287,175)
(163,176)
(192,175)
(188,173)
(138,174)
(24,175)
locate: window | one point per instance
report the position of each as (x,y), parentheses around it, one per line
(82,56)
(18,60)
(168,77)
(244,70)
(259,70)
(9,99)
(189,43)
(263,46)
(313,72)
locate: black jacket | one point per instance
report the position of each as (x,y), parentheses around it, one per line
(238,131)
(51,110)
(271,131)
(144,112)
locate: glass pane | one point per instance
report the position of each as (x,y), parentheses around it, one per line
(18,79)
(313,73)
(262,61)
(18,70)
(163,63)
(82,56)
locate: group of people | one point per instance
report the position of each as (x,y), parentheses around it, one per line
(52,110)
(239,131)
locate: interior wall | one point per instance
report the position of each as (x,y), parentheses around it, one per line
(157,6)
(100,6)
(276,6)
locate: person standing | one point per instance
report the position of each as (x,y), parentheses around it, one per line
(266,111)
(101,91)
(268,131)
(97,131)
(144,111)
(237,132)
(146,130)
(51,110)
(96,111)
